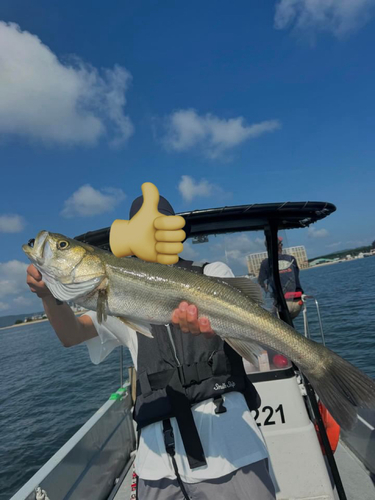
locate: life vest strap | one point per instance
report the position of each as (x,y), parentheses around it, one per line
(170,449)
(182,411)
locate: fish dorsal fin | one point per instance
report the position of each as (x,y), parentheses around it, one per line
(143,328)
(248,350)
(246,286)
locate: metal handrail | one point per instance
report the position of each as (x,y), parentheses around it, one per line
(304,299)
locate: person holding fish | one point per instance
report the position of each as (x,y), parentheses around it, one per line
(198,438)
(197,435)
(289,279)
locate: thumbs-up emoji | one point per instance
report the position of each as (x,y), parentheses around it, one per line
(149,234)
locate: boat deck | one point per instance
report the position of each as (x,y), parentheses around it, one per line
(125,491)
(358,482)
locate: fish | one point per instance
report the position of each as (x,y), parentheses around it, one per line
(142,294)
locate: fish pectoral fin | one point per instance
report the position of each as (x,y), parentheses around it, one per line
(247,287)
(102,301)
(246,349)
(143,328)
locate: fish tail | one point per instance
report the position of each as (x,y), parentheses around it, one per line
(341,386)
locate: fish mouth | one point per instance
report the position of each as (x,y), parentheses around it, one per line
(36,253)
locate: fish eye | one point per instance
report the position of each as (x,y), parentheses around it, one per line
(62,245)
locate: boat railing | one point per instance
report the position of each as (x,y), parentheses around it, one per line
(361,439)
(306,299)
(89,464)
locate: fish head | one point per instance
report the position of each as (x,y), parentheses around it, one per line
(69,267)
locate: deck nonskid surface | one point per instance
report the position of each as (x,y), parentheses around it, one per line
(356,479)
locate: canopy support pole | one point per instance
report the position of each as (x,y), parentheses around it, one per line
(273,259)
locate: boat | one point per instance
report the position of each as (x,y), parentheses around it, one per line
(97,462)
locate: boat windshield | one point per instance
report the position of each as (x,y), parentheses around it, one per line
(245,253)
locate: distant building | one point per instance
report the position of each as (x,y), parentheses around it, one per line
(254,260)
(76,308)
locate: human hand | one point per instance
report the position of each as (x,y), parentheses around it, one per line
(35,282)
(149,235)
(186,317)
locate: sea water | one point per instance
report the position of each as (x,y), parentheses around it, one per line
(48,392)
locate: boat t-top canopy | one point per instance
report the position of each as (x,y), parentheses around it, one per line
(287,215)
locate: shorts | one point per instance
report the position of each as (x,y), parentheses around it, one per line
(252,482)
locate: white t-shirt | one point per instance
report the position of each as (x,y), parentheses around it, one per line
(230,440)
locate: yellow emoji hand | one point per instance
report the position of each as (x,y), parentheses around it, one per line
(149,235)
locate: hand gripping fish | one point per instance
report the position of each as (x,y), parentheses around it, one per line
(143,293)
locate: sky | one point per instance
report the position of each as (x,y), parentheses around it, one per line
(217,103)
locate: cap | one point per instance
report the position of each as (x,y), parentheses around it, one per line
(164,206)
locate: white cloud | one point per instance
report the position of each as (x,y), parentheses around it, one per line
(15,294)
(234,248)
(357,243)
(339,17)
(189,188)
(12,278)
(11,223)
(44,99)
(87,201)
(189,253)
(185,129)
(231,249)
(312,232)
(334,245)
(23,301)
(242,245)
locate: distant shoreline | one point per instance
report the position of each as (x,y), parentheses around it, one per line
(325,264)
(330,263)
(33,322)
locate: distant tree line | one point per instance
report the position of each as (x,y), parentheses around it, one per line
(26,320)
(344,253)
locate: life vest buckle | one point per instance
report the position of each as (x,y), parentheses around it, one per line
(169,439)
(219,403)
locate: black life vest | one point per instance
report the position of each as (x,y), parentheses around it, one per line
(177,370)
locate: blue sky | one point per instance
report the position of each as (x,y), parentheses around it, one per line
(217,103)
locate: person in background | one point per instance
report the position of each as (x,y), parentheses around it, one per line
(289,278)
(195,447)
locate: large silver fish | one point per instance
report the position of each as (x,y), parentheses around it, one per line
(143,293)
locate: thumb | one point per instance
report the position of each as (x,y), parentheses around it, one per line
(150,197)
